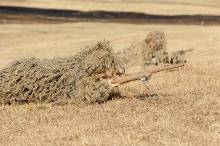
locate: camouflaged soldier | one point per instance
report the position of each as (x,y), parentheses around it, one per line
(163,57)
(138,55)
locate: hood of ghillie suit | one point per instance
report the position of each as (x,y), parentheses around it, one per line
(140,54)
(156,41)
(60,80)
(96,60)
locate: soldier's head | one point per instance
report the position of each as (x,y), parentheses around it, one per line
(98,59)
(156,40)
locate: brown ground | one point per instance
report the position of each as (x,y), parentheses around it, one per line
(166,7)
(187,111)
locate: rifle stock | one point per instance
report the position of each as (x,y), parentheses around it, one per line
(117,81)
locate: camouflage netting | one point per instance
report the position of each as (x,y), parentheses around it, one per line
(156,40)
(79,79)
(61,80)
(141,53)
(151,51)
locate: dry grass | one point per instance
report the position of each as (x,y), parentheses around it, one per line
(170,7)
(185,113)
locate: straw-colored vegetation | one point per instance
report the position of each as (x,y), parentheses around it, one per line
(171,7)
(185,112)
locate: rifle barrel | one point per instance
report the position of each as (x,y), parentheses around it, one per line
(188,50)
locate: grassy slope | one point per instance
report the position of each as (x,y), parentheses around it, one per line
(170,7)
(186,112)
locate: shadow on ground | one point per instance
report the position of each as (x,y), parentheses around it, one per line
(12,14)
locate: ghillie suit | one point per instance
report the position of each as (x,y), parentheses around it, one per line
(159,55)
(163,57)
(137,55)
(178,56)
(92,75)
(74,79)
(152,51)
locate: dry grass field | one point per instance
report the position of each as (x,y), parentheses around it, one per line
(186,112)
(169,7)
